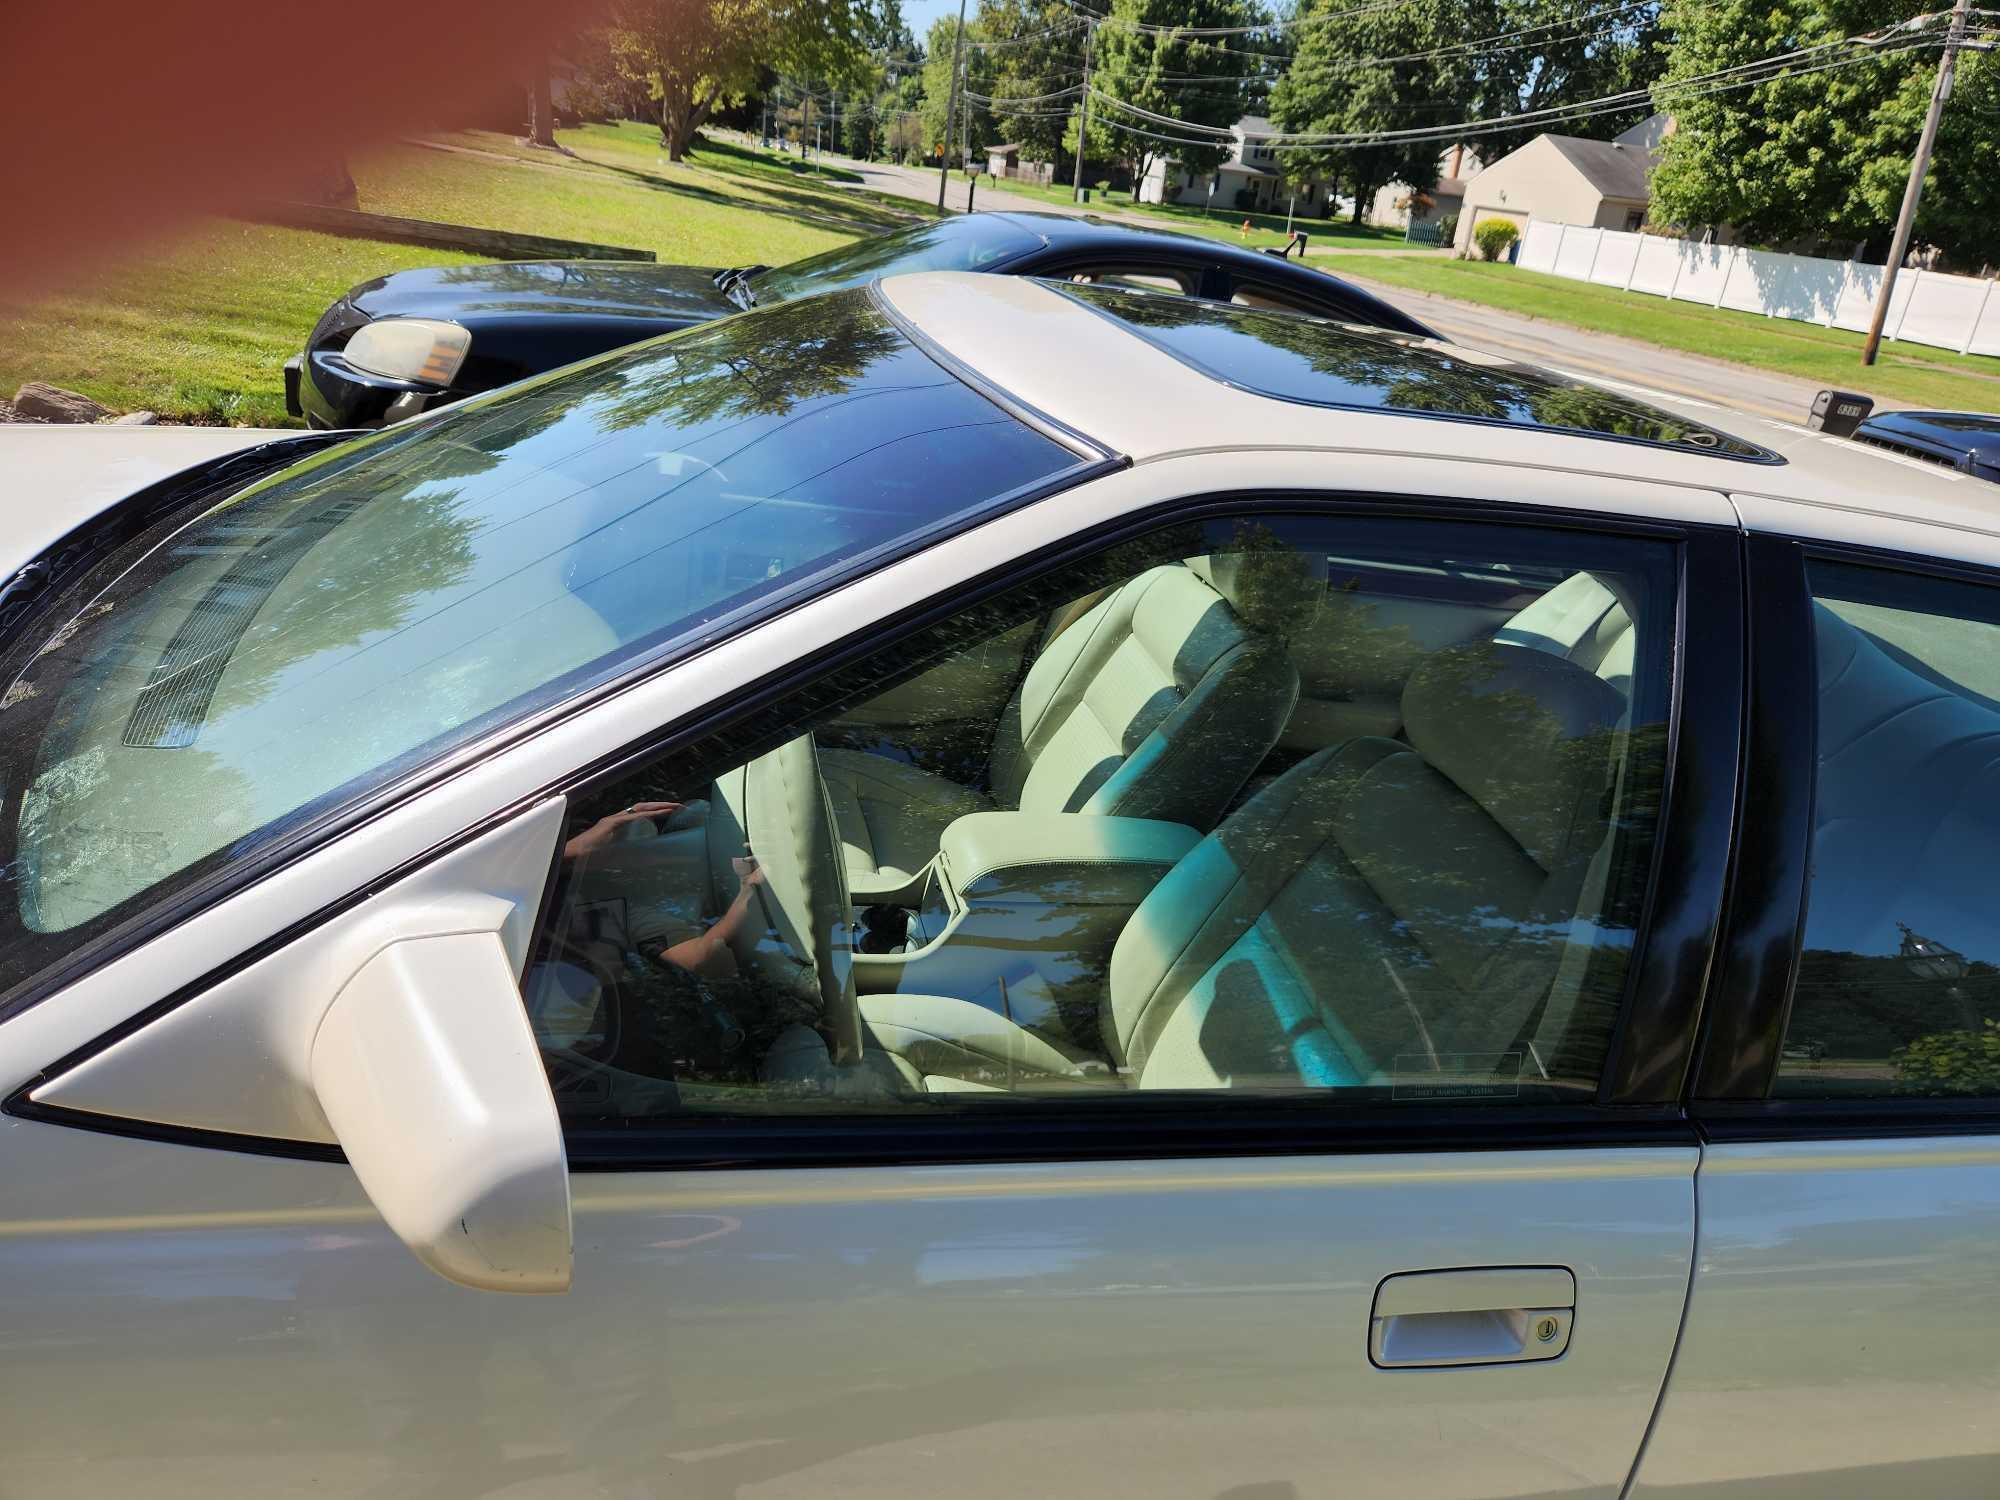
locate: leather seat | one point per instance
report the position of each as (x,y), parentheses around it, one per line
(1159,702)
(1354,659)
(1380,907)
(1581,620)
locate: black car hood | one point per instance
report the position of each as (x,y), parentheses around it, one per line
(534,315)
(536,289)
(1960,435)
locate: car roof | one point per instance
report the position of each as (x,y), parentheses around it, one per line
(1047,348)
(1064,230)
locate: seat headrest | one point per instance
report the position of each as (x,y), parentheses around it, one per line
(1276,591)
(1525,734)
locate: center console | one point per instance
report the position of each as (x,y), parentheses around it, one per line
(1019,912)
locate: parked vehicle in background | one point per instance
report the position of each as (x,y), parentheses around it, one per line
(1968,441)
(1258,908)
(402,343)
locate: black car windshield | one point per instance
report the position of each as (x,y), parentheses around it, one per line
(968,242)
(1320,363)
(229,676)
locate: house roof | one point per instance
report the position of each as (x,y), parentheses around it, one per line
(1615,171)
(1005,146)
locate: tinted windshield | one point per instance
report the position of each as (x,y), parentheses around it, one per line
(969,242)
(1322,363)
(235,673)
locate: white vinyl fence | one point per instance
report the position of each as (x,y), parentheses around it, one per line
(1927,307)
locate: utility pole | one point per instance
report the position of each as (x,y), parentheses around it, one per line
(1083,128)
(1920,164)
(951,108)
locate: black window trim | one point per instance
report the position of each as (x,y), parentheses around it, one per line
(1638,1101)
(1739,1051)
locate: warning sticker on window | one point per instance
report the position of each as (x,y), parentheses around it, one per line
(1422,1076)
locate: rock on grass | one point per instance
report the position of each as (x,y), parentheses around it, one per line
(38,402)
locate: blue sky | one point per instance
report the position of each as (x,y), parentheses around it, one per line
(918,14)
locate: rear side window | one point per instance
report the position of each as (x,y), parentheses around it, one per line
(227,677)
(1898,988)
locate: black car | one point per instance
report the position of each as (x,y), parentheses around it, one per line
(400,343)
(1968,441)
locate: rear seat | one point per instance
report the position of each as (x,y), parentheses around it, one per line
(1352,672)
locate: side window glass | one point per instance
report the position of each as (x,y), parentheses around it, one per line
(1268,805)
(1898,987)
(1145,279)
(1264,298)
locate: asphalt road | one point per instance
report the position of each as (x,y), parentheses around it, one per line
(1605,359)
(1596,357)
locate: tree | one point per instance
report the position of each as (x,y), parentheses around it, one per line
(541,109)
(1040,52)
(1199,81)
(691,54)
(1562,52)
(868,102)
(903,123)
(1358,70)
(1823,156)
(938,133)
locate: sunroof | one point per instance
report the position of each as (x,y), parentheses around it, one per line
(1321,363)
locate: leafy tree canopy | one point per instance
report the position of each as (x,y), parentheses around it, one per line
(1202,81)
(690,55)
(1432,62)
(1825,155)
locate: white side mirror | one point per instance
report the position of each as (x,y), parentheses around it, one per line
(429,1075)
(396,1032)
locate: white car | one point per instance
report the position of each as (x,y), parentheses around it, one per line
(1012,889)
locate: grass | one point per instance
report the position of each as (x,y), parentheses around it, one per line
(1267,230)
(199,330)
(1914,373)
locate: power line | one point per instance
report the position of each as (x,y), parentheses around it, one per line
(1722,81)
(1768,66)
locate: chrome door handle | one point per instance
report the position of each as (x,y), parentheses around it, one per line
(1489,1316)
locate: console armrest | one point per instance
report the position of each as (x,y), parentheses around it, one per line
(1059,859)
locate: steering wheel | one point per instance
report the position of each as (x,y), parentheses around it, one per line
(788,820)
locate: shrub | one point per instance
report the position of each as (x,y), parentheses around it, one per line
(1493,237)
(1951,1062)
(1448,230)
(1246,197)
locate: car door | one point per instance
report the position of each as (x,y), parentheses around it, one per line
(1840,1329)
(1460,1276)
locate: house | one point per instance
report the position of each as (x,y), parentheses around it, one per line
(1249,179)
(1400,205)
(1569,180)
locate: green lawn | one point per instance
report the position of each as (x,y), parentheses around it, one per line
(198,330)
(1824,356)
